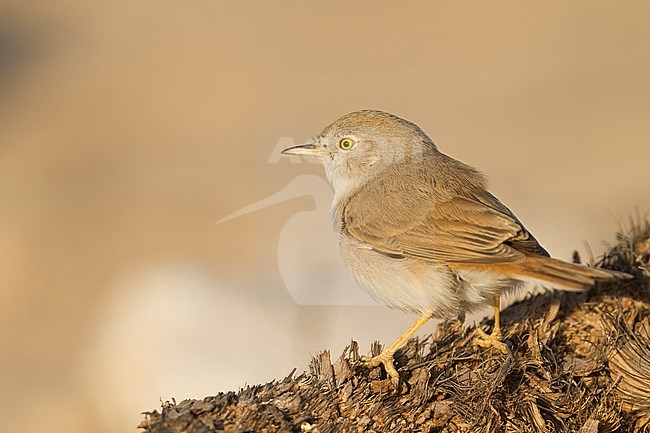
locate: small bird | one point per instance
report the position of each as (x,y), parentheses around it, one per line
(421,233)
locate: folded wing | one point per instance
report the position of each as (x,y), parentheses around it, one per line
(463,229)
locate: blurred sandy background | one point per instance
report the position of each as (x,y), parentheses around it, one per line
(127,129)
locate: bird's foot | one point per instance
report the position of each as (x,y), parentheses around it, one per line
(492,340)
(385,358)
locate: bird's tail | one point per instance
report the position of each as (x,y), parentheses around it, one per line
(562,275)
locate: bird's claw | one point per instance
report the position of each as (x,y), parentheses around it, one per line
(492,340)
(385,359)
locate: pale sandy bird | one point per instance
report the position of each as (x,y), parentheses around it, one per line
(419,230)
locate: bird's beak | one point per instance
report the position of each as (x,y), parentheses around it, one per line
(307,149)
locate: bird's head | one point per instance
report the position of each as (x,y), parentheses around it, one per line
(361,145)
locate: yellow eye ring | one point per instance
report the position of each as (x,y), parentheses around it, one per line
(346,143)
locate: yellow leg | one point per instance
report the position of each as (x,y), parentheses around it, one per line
(386,356)
(494,339)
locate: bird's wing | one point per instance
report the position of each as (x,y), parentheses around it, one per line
(524,241)
(462,229)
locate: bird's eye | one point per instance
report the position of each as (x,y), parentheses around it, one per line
(346,143)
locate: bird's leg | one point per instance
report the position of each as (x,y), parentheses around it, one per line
(493,339)
(386,356)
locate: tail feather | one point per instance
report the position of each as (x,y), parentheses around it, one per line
(563,275)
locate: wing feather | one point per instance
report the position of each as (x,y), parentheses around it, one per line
(462,229)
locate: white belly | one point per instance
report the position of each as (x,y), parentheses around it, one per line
(404,284)
(416,285)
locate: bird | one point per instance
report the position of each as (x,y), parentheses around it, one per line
(421,233)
